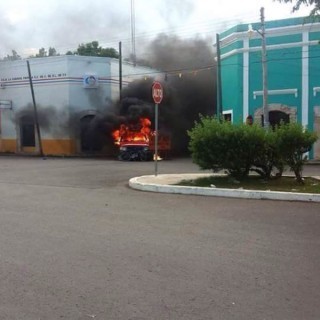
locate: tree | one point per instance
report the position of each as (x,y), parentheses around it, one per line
(13,57)
(315,4)
(52,52)
(93,49)
(42,53)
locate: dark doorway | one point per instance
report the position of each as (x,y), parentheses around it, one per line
(28,138)
(278,117)
(89,135)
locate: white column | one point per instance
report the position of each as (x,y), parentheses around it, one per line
(245,79)
(305,79)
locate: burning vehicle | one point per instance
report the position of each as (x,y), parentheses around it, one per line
(133,141)
(136,141)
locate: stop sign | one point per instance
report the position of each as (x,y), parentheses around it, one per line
(157,92)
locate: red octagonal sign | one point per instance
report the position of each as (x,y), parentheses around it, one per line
(157,92)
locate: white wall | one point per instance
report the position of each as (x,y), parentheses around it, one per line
(60,90)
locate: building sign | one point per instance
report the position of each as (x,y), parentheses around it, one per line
(5,104)
(90,81)
(36,77)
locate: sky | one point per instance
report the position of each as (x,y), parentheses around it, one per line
(28,25)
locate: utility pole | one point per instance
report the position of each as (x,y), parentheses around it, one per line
(35,110)
(219,89)
(120,70)
(264,72)
(133,32)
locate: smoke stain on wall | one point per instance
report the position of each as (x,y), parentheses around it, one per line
(51,120)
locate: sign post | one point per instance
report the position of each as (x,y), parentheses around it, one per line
(157,95)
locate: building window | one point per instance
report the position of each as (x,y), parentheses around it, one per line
(227,115)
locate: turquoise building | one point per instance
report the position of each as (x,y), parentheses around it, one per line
(293,73)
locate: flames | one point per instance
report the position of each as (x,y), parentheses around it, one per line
(139,132)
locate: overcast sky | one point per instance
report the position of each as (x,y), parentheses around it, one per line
(27,25)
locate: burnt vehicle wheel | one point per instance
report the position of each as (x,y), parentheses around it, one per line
(134,156)
(124,156)
(145,156)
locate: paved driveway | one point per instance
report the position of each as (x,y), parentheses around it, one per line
(77,243)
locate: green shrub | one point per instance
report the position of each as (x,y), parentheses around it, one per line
(219,145)
(268,155)
(208,141)
(241,148)
(294,142)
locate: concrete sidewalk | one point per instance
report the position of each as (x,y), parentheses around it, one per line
(165,183)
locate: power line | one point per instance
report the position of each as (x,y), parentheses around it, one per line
(205,27)
(180,70)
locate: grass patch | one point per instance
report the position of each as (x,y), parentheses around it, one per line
(287,184)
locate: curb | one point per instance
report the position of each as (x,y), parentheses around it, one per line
(163,184)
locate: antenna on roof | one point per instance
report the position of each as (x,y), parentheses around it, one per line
(133,32)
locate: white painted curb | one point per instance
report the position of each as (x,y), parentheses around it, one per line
(160,184)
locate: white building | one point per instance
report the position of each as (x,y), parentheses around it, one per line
(68,91)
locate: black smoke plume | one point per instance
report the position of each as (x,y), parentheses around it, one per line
(188,72)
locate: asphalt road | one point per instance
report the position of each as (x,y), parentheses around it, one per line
(77,243)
